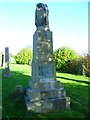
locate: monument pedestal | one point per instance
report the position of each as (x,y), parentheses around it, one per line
(7,73)
(44,92)
(46,96)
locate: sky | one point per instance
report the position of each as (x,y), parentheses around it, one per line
(68,21)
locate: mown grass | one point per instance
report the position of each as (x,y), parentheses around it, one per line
(0,92)
(14,105)
(75,84)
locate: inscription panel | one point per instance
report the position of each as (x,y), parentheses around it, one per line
(46,70)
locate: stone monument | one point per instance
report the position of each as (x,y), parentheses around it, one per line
(2,60)
(7,69)
(44,92)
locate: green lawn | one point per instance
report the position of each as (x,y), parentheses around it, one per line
(0,93)
(13,104)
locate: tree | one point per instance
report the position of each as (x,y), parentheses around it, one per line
(63,57)
(24,56)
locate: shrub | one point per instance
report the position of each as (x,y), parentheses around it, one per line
(65,57)
(24,56)
(74,66)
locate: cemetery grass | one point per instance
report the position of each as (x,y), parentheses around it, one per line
(13,104)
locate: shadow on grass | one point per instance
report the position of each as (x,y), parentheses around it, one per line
(86,82)
(13,103)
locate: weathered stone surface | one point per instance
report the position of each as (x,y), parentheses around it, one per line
(44,93)
(49,104)
(45,84)
(41,15)
(34,95)
(7,68)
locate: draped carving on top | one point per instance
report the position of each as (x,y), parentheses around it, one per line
(41,15)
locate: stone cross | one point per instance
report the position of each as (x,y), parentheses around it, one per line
(44,92)
(7,69)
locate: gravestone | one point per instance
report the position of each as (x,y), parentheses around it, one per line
(7,69)
(44,92)
(81,69)
(2,60)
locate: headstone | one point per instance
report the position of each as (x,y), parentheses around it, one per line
(7,69)
(19,89)
(2,60)
(44,92)
(81,69)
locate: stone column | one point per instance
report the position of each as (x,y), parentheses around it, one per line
(7,69)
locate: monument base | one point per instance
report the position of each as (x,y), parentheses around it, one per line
(47,98)
(7,73)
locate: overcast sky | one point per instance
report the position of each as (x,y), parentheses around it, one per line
(67,20)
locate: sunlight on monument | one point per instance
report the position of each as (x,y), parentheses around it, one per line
(44,92)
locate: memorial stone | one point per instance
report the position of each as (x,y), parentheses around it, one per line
(2,60)
(44,92)
(7,69)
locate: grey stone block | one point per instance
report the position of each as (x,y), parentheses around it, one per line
(48,105)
